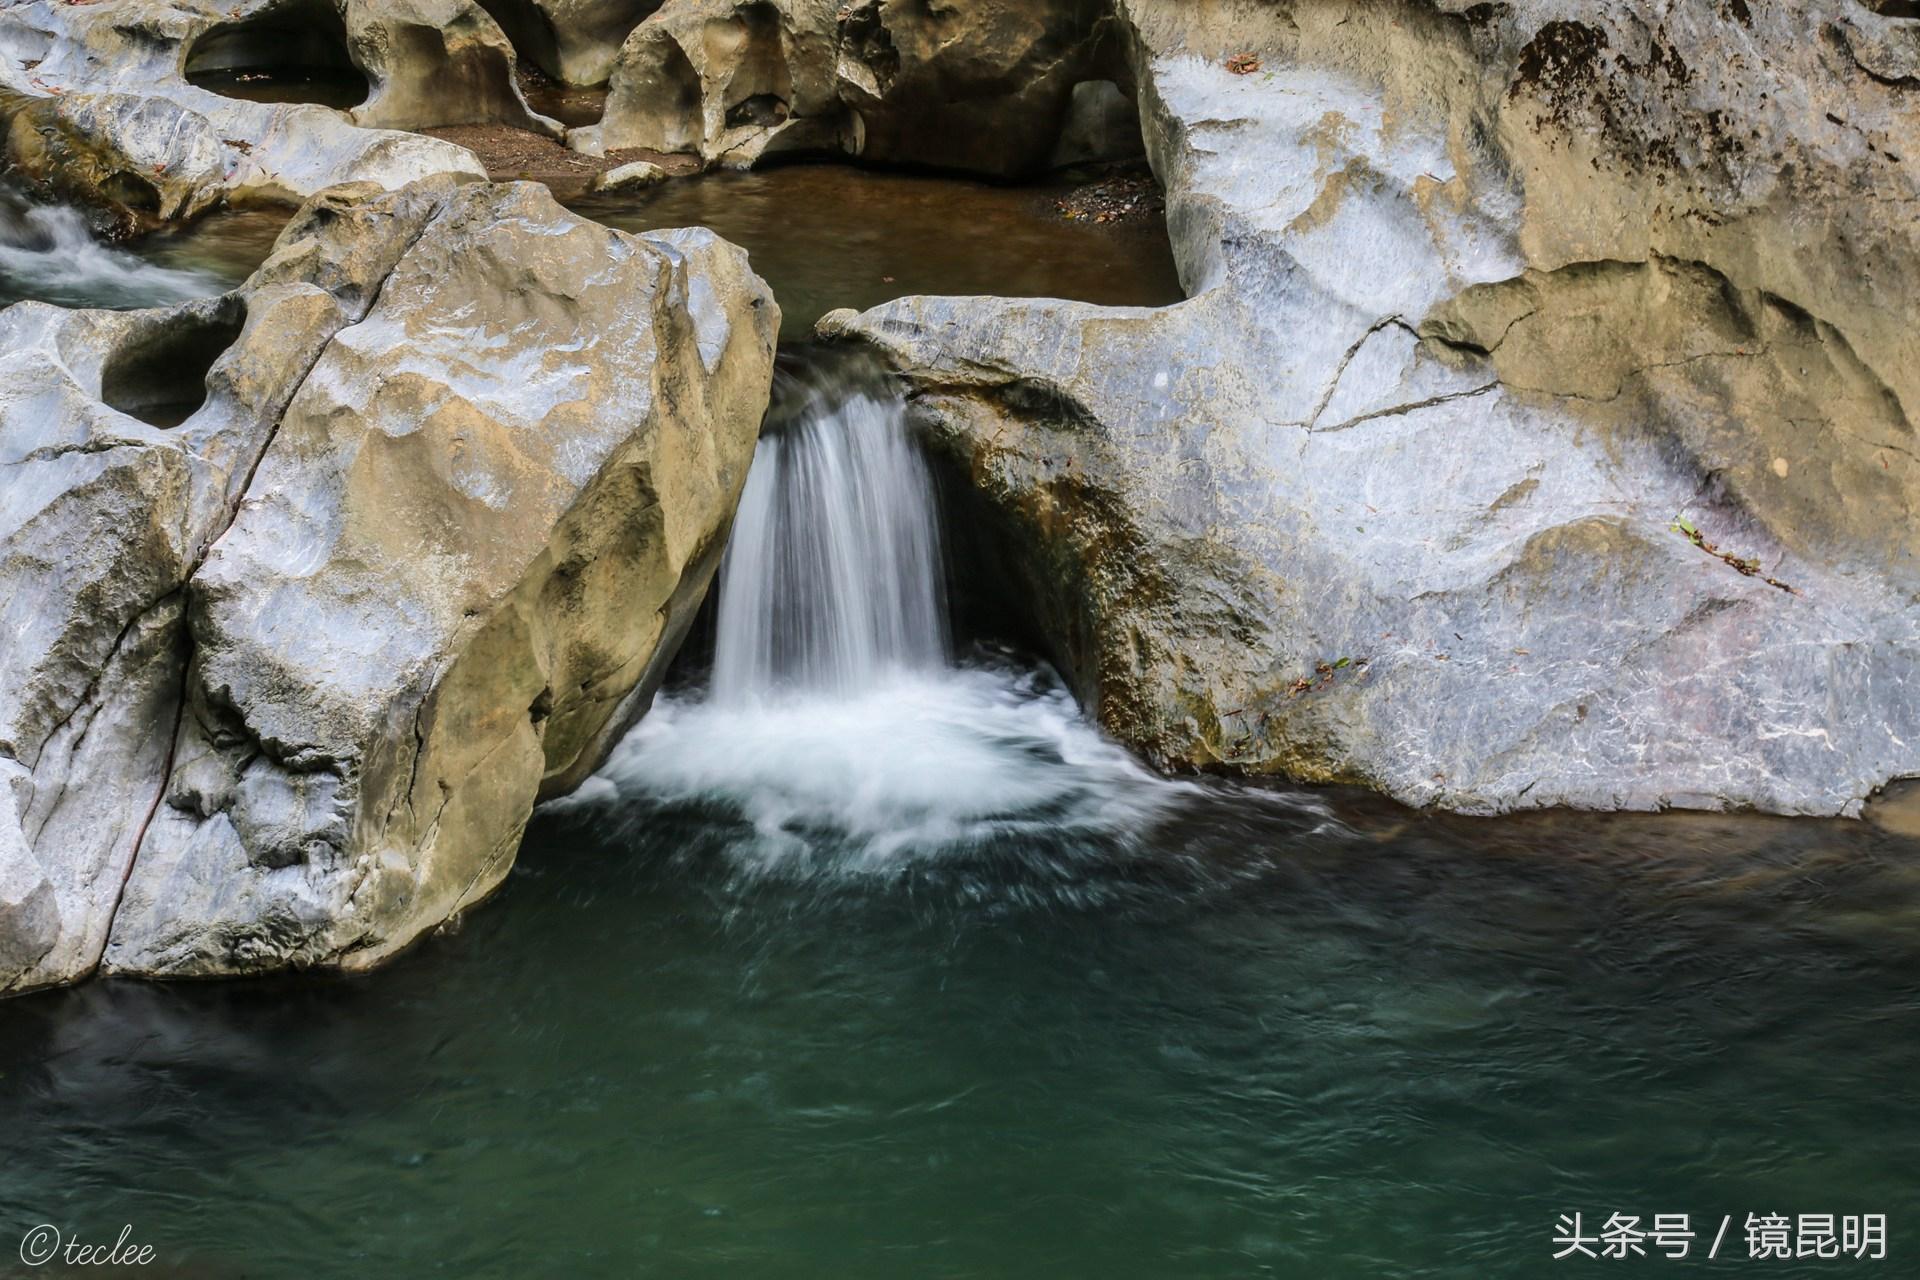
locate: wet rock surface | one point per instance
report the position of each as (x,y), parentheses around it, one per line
(1523,351)
(311,589)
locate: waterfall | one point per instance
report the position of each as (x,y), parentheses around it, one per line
(833,578)
(48,253)
(837,727)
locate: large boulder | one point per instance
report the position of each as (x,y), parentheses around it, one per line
(985,87)
(100,108)
(311,590)
(1539,430)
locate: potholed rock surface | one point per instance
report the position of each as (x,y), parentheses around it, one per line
(986,87)
(311,590)
(572,41)
(100,108)
(1539,431)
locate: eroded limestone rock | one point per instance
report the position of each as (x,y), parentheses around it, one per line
(286,669)
(984,87)
(100,108)
(573,41)
(1485,299)
(434,62)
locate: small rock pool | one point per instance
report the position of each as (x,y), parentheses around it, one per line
(830,236)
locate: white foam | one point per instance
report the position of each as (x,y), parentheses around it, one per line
(47,253)
(915,766)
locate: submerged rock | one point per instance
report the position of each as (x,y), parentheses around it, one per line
(986,88)
(101,109)
(312,589)
(636,176)
(1538,433)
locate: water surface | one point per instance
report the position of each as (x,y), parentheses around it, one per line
(824,236)
(50,253)
(830,236)
(341,88)
(1279,1035)
(226,245)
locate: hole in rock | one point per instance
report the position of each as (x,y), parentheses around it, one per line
(762,110)
(131,191)
(762,83)
(578,57)
(1894,8)
(1102,124)
(666,81)
(294,52)
(986,600)
(159,373)
(866,37)
(574,106)
(542,70)
(530,32)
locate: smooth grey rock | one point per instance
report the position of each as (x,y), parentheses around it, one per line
(1484,298)
(103,518)
(482,513)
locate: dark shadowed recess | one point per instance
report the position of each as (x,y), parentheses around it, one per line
(530,31)
(291,52)
(158,373)
(553,83)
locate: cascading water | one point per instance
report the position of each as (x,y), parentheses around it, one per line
(48,253)
(833,579)
(837,725)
